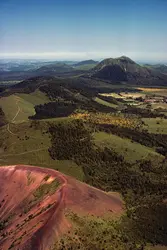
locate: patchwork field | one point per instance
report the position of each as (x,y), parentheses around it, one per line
(115,95)
(159,105)
(156,91)
(125,95)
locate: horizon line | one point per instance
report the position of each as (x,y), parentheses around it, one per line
(75,56)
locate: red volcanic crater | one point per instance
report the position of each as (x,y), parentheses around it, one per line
(33,203)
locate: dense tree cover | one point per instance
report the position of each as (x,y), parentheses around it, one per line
(70,86)
(112,72)
(63,108)
(143,186)
(65,101)
(2,88)
(53,109)
(85,86)
(144,113)
(31,84)
(2,118)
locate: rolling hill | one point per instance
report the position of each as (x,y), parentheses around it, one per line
(85,65)
(57,67)
(52,69)
(86,62)
(162,68)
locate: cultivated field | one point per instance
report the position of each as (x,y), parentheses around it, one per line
(156,91)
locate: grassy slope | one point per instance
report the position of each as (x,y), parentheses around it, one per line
(159,105)
(108,104)
(157,248)
(91,232)
(25,102)
(9,106)
(17,149)
(156,125)
(132,151)
(86,66)
(36,98)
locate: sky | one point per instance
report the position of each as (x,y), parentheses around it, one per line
(84,29)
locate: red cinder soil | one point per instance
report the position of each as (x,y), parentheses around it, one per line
(33,222)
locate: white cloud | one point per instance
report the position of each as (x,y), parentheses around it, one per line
(67,55)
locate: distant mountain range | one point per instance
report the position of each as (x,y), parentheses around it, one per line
(162,68)
(57,68)
(121,69)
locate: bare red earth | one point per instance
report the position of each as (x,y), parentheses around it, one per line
(38,228)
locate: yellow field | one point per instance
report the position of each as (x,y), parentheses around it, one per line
(151,89)
(101,118)
(115,95)
(124,95)
(154,91)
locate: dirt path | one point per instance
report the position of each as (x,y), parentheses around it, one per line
(17,113)
(27,152)
(8,129)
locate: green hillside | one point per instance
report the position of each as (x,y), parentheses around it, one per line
(18,107)
(90,129)
(28,144)
(131,151)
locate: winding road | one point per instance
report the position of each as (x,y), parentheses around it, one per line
(8,129)
(13,120)
(24,153)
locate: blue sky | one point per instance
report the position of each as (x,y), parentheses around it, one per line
(82,29)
